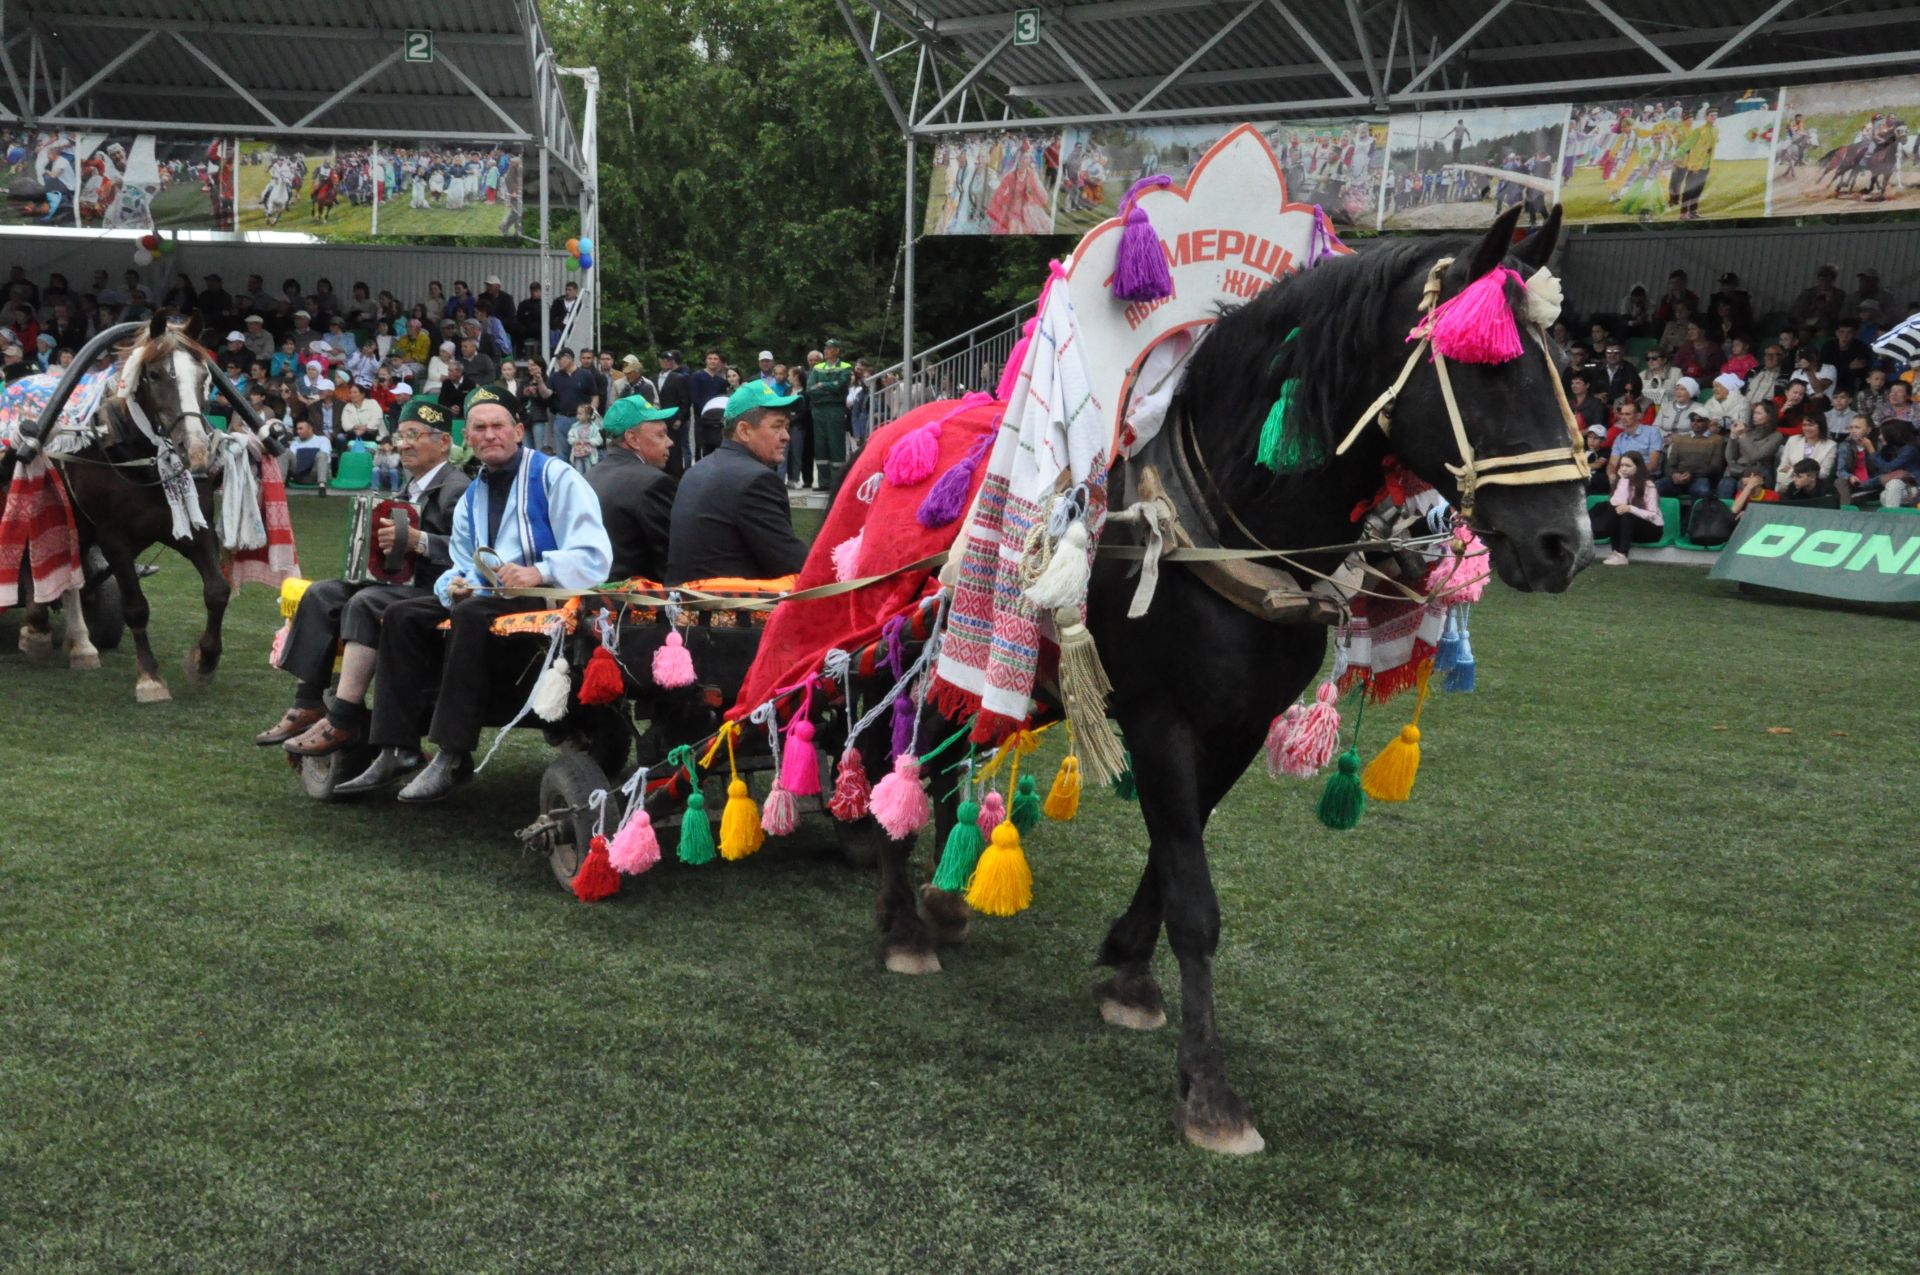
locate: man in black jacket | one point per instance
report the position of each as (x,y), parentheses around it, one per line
(636,492)
(332,611)
(676,391)
(731,516)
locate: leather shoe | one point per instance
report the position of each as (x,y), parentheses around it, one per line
(447,771)
(391,766)
(323,739)
(295,723)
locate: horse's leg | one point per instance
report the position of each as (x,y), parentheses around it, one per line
(906,944)
(147,686)
(36,631)
(80,649)
(946,910)
(203,657)
(1131,998)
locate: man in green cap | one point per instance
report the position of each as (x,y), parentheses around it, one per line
(635,489)
(333,611)
(827,386)
(731,516)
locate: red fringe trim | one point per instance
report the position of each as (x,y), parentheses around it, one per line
(990,730)
(955,704)
(1382,687)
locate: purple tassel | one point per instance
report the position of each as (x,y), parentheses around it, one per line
(904,712)
(1140,270)
(1324,242)
(947,499)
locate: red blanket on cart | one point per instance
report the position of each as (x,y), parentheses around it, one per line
(801,633)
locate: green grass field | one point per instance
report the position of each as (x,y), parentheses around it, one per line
(1735,188)
(1627,987)
(396,218)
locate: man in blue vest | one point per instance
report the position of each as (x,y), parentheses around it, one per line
(528,521)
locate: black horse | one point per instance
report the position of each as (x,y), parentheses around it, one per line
(119,506)
(1197,679)
(1875,157)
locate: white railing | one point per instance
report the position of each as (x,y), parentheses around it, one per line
(971,361)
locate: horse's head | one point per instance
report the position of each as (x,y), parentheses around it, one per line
(1521,475)
(164,384)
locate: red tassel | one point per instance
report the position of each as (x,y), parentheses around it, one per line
(601,683)
(799,764)
(596,879)
(851,794)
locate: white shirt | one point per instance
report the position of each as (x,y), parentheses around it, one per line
(418,486)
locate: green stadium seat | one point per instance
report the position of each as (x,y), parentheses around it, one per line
(1770,325)
(1636,349)
(1670,518)
(459,431)
(355,473)
(1904,509)
(1595,501)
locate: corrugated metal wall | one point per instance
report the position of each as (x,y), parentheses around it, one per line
(1774,263)
(403,270)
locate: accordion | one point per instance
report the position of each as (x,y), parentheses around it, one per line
(366,562)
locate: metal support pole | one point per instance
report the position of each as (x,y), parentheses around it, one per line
(546,265)
(906,301)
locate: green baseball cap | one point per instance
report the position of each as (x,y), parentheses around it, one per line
(630,411)
(831,343)
(753,394)
(492,394)
(427,412)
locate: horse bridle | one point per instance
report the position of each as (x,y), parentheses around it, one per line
(1548,465)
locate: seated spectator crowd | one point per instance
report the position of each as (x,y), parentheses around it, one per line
(1793,407)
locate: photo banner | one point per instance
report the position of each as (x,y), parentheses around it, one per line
(1761,152)
(68,180)
(1827,552)
(346,188)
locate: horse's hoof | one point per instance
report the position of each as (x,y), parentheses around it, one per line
(1237,1140)
(83,659)
(151,691)
(947,913)
(36,646)
(192,667)
(907,960)
(1132,1001)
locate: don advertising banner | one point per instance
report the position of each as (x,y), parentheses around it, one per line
(1832,553)
(354,189)
(117,181)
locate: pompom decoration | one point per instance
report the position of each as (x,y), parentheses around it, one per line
(1063,798)
(962,850)
(899,802)
(846,557)
(552,691)
(1477,325)
(1002,883)
(1279,733)
(781,815)
(1313,741)
(993,813)
(851,793)
(799,763)
(596,878)
(635,847)
(740,832)
(601,683)
(673,663)
(913,458)
(279,643)
(1064,581)
(696,834)
(1140,271)
(1342,800)
(1389,776)
(946,500)
(1025,811)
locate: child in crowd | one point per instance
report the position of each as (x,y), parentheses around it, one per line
(1632,516)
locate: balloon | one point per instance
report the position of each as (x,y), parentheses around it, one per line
(15,154)
(586,261)
(167,246)
(573,247)
(150,241)
(141,257)
(573,263)
(586,247)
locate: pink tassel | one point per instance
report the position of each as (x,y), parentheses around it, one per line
(781,814)
(673,663)
(1477,326)
(912,459)
(634,848)
(993,813)
(899,802)
(1140,271)
(1279,734)
(851,794)
(1461,579)
(1314,739)
(846,557)
(1010,374)
(799,764)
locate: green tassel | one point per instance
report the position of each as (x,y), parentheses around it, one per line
(962,851)
(1123,785)
(1278,450)
(1025,810)
(696,834)
(1343,799)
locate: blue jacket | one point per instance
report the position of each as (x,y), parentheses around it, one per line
(1907,458)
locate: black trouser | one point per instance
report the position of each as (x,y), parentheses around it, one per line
(459,678)
(677,459)
(331,612)
(1626,529)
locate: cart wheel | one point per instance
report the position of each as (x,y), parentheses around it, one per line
(569,780)
(320,775)
(106,622)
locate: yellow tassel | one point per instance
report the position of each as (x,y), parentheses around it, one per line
(740,831)
(1002,882)
(1389,776)
(1063,799)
